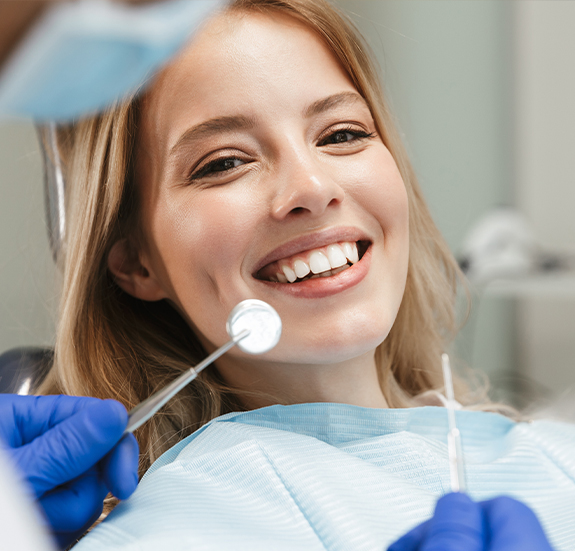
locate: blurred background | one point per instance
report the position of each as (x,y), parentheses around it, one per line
(483,95)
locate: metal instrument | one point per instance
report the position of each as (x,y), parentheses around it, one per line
(455,451)
(253,325)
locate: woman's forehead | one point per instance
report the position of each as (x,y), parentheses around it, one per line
(241,62)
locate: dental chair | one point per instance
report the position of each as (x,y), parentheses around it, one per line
(22,369)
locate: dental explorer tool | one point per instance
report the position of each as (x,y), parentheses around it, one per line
(455,450)
(253,325)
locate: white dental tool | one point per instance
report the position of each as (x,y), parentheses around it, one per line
(454,449)
(253,325)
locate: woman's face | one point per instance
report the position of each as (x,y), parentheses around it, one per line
(258,157)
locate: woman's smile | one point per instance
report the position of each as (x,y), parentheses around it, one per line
(318,264)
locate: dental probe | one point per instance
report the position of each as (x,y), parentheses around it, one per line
(253,325)
(455,451)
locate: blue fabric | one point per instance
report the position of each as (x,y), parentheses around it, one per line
(337,477)
(82,56)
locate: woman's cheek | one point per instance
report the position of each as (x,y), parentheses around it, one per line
(214,228)
(380,190)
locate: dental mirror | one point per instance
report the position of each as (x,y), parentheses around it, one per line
(253,325)
(262,321)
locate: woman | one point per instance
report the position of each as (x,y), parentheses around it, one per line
(264,156)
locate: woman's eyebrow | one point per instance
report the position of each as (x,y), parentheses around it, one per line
(210,127)
(239,122)
(325,104)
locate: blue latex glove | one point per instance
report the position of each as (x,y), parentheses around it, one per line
(69,450)
(460,524)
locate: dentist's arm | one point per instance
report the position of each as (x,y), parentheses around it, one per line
(71,451)
(460,524)
(16,18)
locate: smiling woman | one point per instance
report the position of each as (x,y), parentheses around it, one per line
(298,170)
(259,152)
(261,163)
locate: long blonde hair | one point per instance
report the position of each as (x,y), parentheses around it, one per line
(111,345)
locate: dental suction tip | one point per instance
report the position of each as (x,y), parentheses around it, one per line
(262,322)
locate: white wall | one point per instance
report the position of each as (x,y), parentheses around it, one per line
(545,161)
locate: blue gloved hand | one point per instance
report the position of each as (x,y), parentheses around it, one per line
(460,524)
(69,450)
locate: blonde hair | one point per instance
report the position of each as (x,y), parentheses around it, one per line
(111,345)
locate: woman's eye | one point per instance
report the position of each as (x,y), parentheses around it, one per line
(216,166)
(345,136)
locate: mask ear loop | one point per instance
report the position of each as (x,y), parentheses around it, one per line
(54,188)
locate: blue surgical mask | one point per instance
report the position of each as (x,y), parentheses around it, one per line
(82,56)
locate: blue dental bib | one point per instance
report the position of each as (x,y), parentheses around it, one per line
(338,477)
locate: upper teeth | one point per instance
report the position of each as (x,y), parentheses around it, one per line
(318,261)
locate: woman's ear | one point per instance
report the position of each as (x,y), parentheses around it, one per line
(129,273)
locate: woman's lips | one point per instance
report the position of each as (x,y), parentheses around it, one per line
(317,287)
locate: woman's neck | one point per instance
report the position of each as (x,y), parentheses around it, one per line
(353,382)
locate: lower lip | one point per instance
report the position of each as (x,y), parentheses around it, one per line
(325,286)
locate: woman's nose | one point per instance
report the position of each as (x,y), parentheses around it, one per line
(306,189)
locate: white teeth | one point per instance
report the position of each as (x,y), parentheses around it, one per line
(351,253)
(318,262)
(301,268)
(336,256)
(289,273)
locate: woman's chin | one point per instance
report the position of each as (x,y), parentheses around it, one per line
(331,349)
